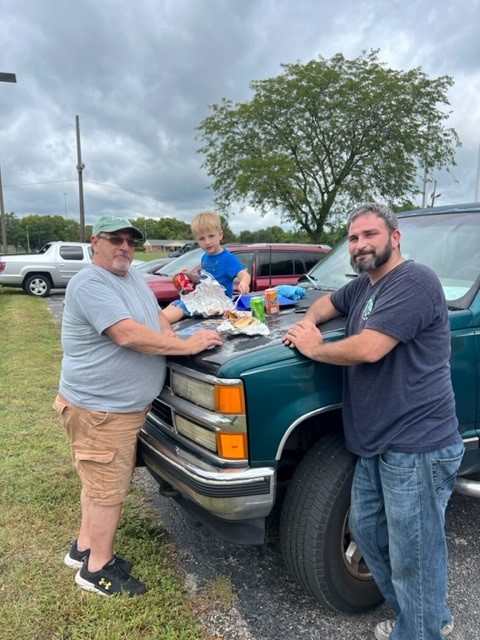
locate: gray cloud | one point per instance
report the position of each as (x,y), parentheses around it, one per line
(141,75)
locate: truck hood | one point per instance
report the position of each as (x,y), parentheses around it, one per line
(230,356)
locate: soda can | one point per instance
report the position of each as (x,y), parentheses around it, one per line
(271,301)
(257,306)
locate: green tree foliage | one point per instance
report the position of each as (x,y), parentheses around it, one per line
(246,237)
(15,231)
(228,235)
(272,234)
(164,228)
(329,132)
(33,231)
(404,205)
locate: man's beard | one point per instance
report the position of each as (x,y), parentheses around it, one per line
(121,263)
(375,260)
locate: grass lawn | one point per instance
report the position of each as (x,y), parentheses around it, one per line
(141,255)
(39,510)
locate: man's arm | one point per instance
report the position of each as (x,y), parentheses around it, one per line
(167,328)
(366,347)
(133,335)
(321,311)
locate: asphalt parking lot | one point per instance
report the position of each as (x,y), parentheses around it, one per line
(269,605)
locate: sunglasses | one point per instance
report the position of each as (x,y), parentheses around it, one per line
(117,241)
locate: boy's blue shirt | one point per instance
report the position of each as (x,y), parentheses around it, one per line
(224,267)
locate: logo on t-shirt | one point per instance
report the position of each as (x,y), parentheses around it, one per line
(368,308)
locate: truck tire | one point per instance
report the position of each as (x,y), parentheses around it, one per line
(38,285)
(315,541)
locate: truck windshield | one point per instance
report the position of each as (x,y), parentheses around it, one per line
(446,242)
(188,260)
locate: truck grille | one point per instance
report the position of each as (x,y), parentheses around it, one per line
(162,412)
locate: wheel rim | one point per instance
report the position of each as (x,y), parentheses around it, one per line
(352,556)
(38,287)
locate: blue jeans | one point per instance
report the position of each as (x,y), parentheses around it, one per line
(397,518)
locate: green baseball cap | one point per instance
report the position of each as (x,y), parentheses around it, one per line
(108,224)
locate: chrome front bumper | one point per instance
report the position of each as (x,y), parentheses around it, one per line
(230,493)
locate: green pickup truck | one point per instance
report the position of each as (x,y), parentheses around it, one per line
(240,427)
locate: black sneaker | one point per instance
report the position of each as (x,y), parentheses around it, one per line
(112,579)
(74,558)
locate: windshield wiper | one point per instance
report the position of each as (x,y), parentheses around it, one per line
(312,281)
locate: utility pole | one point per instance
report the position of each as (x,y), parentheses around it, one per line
(477,186)
(435,195)
(2,217)
(80,168)
(424,192)
(4,77)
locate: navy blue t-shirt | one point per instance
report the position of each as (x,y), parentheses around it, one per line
(404,402)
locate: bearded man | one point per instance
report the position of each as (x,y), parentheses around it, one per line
(398,416)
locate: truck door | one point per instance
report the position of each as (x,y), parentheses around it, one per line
(71,258)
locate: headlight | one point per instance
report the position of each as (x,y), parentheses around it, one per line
(221,398)
(229,440)
(194,390)
(196,433)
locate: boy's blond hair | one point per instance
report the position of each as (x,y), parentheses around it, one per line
(206,221)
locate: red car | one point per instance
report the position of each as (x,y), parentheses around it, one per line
(268,265)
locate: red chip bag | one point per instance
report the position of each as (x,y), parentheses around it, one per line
(183,284)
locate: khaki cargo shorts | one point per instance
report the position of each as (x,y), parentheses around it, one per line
(103,449)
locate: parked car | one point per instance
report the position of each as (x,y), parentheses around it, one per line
(252,424)
(52,266)
(152,266)
(268,265)
(161,282)
(186,247)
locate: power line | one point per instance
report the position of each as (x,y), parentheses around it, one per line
(110,186)
(34,184)
(142,193)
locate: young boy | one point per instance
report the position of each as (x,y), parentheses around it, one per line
(217,261)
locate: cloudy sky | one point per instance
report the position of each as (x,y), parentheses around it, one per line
(140,75)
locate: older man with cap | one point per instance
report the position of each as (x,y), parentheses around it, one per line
(115,339)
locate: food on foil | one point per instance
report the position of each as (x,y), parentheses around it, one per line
(242,322)
(231,314)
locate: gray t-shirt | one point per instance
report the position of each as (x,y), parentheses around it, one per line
(404,402)
(96,372)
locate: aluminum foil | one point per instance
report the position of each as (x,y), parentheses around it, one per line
(255,329)
(208,300)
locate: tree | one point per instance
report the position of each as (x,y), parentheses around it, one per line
(327,135)
(228,235)
(146,226)
(40,229)
(15,232)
